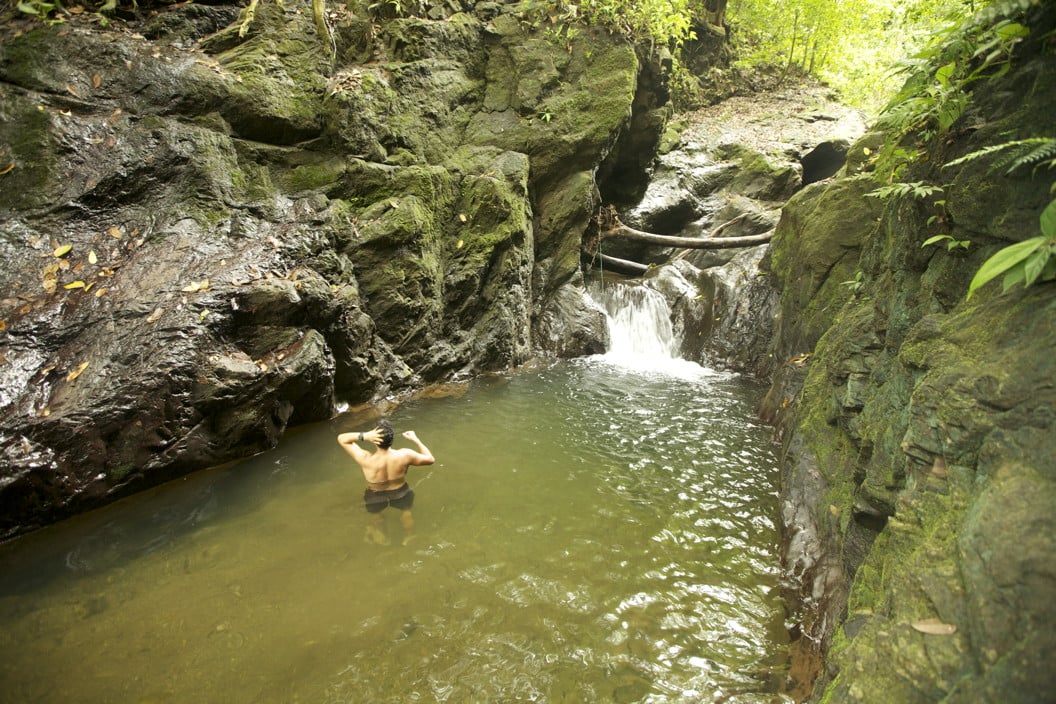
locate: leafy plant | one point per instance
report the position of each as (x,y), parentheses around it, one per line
(38,8)
(856,284)
(1024,262)
(916,189)
(1034,259)
(951,242)
(939,77)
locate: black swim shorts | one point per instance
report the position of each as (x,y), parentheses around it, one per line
(401,498)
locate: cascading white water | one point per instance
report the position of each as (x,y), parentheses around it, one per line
(641,336)
(639,322)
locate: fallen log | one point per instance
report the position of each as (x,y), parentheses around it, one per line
(615,265)
(615,228)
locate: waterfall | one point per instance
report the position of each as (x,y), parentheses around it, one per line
(641,336)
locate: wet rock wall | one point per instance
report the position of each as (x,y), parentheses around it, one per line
(214,228)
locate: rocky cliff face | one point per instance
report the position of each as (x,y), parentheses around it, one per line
(212,228)
(919,427)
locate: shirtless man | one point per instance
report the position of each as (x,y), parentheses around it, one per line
(385,471)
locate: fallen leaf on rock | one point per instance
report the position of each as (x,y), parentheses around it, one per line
(114,232)
(459,245)
(462,217)
(99,292)
(935,627)
(196,286)
(7,169)
(939,468)
(77,372)
(3,325)
(155,315)
(97,80)
(74,284)
(92,258)
(62,251)
(72,91)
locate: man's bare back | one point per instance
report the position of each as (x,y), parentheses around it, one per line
(385,470)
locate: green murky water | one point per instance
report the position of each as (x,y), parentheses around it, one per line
(588,534)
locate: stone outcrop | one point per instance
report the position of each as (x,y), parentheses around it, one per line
(217,228)
(919,427)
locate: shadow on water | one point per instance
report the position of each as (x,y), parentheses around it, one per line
(587,534)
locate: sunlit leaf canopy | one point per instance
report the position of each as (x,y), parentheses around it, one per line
(851,44)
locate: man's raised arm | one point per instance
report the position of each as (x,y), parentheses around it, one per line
(423,456)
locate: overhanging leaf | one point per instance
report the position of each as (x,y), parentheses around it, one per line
(1003,260)
(1048,220)
(1034,265)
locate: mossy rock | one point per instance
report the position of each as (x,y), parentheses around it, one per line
(269,85)
(814,256)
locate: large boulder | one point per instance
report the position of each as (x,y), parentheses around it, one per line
(207,239)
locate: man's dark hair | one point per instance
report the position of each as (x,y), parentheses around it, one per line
(387,434)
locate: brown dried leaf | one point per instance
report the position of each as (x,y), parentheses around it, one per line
(97,80)
(114,232)
(939,468)
(934,627)
(99,292)
(72,91)
(153,317)
(77,372)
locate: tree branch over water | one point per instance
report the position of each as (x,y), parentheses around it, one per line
(612,227)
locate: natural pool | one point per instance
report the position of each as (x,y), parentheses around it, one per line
(588,534)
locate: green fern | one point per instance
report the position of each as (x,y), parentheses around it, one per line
(916,189)
(1036,151)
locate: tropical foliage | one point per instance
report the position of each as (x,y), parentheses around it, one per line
(852,44)
(938,88)
(1033,259)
